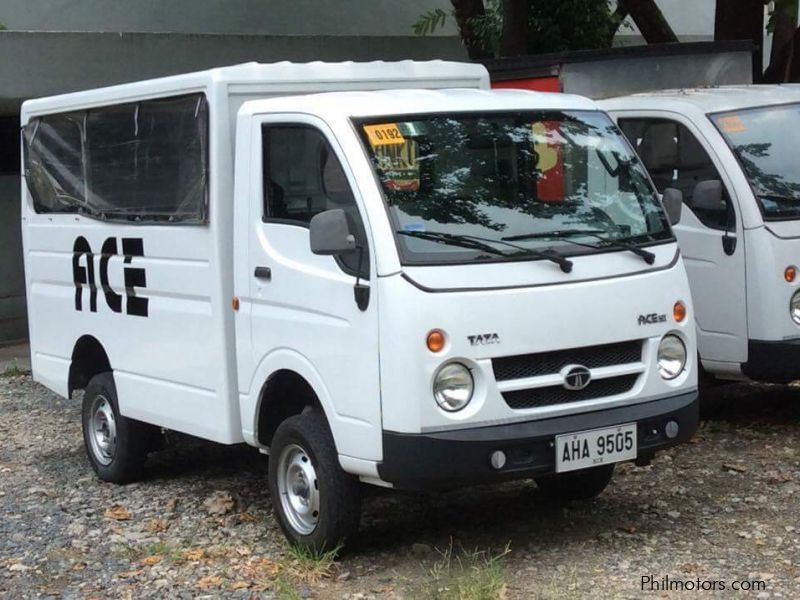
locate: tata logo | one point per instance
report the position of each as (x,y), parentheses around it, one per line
(652,319)
(483,339)
(83,275)
(576,377)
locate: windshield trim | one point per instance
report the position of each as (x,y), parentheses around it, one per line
(468,257)
(765,216)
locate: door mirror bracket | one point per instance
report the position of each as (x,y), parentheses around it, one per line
(361,291)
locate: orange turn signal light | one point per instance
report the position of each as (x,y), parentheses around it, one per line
(679,311)
(790,273)
(435,340)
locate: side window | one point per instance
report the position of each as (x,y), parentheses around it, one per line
(675,158)
(142,162)
(303,177)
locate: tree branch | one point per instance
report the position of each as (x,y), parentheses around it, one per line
(650,20)
(465,11)
(513,41)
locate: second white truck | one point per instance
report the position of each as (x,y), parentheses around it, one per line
(732,153)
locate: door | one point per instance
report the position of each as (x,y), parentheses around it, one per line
(711,240)
(301,307)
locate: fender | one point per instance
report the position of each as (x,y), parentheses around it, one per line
(346,430)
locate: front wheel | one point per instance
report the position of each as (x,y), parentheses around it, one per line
(318,505)
(576,485)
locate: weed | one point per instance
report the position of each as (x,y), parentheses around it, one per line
(466,575)
(310,566)
(284,590)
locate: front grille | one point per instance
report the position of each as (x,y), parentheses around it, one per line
(557,394)
(547,363)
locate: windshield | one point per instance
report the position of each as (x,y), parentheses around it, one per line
(761,138)
(463,187)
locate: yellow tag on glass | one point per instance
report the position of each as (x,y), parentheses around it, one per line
(732,124)
(384,134)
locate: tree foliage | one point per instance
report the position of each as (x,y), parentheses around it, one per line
(550,26)
(514,27)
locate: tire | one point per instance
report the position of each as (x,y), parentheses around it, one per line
(576,485)
(317,504)
(116,446)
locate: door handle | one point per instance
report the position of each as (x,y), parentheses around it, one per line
(263,273)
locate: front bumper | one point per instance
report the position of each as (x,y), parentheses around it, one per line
(773,362)
(452,458)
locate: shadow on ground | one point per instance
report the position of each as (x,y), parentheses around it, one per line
(746,404)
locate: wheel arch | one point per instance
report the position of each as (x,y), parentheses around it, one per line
(89,358)
(285,393)
(285,384)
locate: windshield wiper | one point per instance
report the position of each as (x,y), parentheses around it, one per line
(646,255)
(479,243)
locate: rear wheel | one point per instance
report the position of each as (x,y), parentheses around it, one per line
(318,505)
(576,485)
(116,446)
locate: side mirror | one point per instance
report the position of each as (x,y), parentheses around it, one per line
(330,233)
(673,203)
(707,195)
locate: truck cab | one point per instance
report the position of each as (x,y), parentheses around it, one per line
(727,150)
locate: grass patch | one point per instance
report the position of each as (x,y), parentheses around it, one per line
(169,552)
(310,566)
(285,590)
(466,575)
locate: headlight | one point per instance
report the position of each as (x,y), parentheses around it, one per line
(453,386)
(671,356)
(794,307)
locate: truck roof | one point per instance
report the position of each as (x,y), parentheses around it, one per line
(707,99)
(279,78)
(411,101)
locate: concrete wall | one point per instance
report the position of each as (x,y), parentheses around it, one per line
(46,63)
(13,324)
(267,17)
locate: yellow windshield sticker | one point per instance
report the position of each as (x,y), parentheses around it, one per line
(384,134)
(732,124)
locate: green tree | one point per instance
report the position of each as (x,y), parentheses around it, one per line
(516,27)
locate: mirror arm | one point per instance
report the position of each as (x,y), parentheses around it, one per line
(729,237)
(360,291)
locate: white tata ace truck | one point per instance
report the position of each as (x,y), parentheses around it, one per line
(412,288)
(730,151)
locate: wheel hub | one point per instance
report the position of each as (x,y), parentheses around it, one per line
(298,489)
(103,432)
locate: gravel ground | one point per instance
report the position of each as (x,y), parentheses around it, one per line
(721,509)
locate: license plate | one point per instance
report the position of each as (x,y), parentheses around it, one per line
(584,449)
